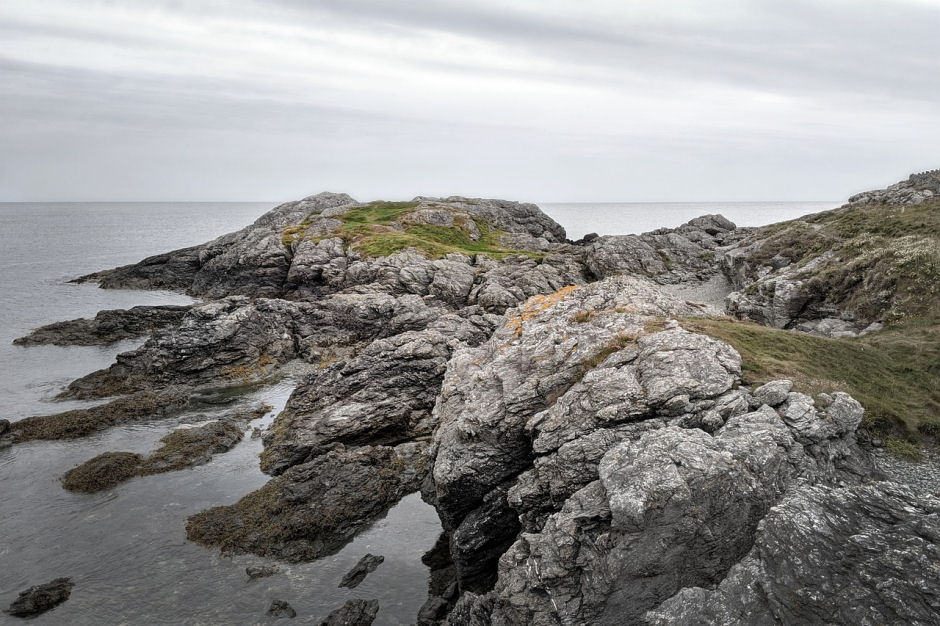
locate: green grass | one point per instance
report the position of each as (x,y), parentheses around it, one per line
(893,373)
(376,230)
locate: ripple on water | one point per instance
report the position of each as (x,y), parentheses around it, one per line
(127,552)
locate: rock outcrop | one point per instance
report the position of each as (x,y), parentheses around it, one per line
(353,613)
(856,555)
(315,508)
(917,189)
(106,327)
(41,598)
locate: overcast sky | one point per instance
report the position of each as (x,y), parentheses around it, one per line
(540,100)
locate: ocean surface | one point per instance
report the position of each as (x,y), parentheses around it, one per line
(125,548)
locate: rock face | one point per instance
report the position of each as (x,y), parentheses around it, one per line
(683,254)
(41,598)
(106,327)
(917,189)
(858,555)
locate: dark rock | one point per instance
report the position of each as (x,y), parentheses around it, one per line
(260,571)
(360,570)
(353,613)
(106,327)
(172,270)
(41,598)
(182,448)
(280,608)
(857,555)
(433,611)
(315,508)
(82,422)
(4,426)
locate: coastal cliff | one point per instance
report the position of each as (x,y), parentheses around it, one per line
(623,429)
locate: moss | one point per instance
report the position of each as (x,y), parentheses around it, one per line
(181,448)
(893,372)
(377,230)
(83,422)
(102,472)
(582,317)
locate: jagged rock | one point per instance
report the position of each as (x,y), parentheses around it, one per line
(260,571)
(917,189)
(773,393)
(382,396)
(859,555)
(315,508)
(686,253)
(491,393)
(280,608)
(106,327)
(353,613)
(360,570)
(171,270)
(41,598)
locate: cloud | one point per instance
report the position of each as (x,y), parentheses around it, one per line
(531,99)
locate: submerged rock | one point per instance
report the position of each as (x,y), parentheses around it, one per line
(260,571)
(315,508)
(353,613)
(137,407)
(106,327)
(360,570)
(279,608)
(41,598)
(182,448)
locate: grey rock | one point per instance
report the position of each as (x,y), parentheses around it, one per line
(360,570)
(871,557)
(106,327)
(917,189)
(353,613)
(773,393)
(280,608)
(41,598)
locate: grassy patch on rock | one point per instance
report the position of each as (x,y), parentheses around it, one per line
(885,262)
(379,229)
(893,373)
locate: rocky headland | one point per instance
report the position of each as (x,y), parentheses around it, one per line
(673,427)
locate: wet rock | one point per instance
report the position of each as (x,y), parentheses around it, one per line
(433,611)
(41,598)
(315,508)
(106,327)
(182,448)
(353,613)
(140,406)
(280,608)
(4,427)
(360,570)
(171,270)
(260,571)
(871,557)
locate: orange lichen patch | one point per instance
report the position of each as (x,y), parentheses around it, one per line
(535,306)
(247,372)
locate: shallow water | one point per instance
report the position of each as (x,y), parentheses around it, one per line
(125,548)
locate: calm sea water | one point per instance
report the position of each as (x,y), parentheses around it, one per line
(125,548)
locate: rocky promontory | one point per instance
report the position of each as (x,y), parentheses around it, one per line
(671,427)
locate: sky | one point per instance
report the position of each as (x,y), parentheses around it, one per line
(537,100)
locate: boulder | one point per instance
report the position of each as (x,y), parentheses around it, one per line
(353,613)
(41,598)
(360,570)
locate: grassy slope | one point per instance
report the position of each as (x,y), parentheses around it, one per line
(375,230)
(893,373)
(886,263)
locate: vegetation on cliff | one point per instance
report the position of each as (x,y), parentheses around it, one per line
(379,229)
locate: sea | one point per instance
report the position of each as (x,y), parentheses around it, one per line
(125,548)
